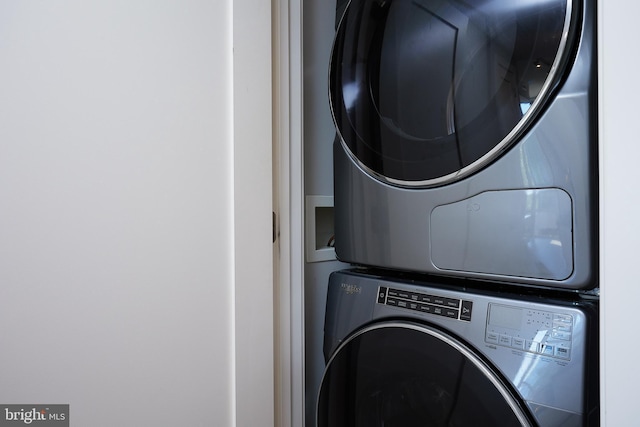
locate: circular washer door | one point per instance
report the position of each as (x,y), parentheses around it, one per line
(425,92)
(400,374)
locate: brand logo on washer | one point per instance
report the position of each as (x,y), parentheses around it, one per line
(351,289)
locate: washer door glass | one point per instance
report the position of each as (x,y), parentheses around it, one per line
(405,375)
(424,92)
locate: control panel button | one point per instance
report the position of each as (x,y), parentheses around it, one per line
(382,294)
(427,298)
(448,312)
(562,352)
(561,335)
(562,327)
(563,318)
(505,340)
(492,338)
(547,349)
(465,311)
(518,343)
(426,308)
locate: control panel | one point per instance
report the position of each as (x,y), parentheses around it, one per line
(426,303)
(534,331)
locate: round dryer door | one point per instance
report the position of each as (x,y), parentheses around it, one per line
(403,375)
(425,92)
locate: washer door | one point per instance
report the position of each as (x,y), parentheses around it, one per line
(400,374)
(425,92)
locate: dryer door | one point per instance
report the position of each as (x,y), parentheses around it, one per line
(400,374)
(424,92)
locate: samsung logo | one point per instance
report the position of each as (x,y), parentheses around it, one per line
(351,289)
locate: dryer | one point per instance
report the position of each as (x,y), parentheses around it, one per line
(467,138)
(406,353)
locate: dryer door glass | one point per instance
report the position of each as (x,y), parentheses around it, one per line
(424,92)
(404,375)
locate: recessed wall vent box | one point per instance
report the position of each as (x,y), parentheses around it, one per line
(319,228)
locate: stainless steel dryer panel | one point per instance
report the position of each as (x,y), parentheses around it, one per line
(528,216)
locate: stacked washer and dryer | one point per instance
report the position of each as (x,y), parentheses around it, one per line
(465,175)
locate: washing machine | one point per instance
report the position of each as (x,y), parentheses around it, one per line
(467,138)
(402,353)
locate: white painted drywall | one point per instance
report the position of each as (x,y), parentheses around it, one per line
(254,294)
(120,182)
(620,210)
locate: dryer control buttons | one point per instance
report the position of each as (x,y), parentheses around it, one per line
(426,303)
(534,331)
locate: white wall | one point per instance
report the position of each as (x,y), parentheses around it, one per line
(620,210)
(121,178)
(254,292)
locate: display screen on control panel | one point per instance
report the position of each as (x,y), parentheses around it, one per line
(506,317)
